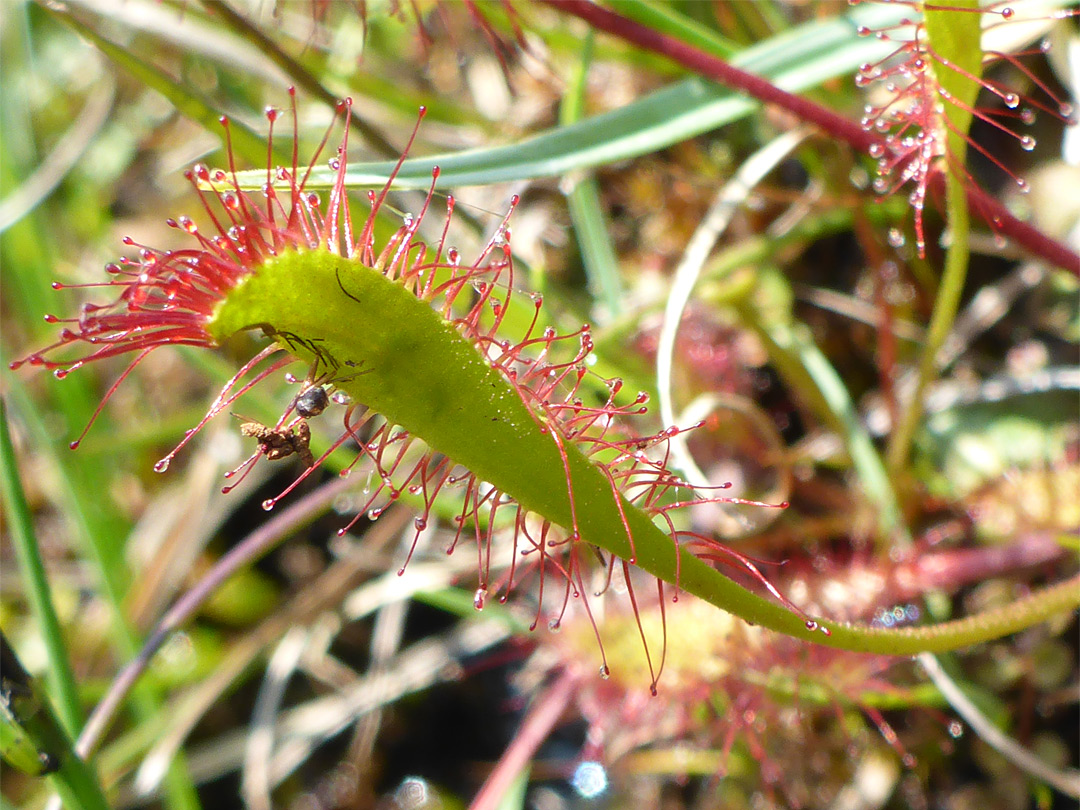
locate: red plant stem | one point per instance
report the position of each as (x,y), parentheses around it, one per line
(542,717)
(836,125)
(251,548)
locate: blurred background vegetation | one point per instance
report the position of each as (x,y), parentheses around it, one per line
(386,692)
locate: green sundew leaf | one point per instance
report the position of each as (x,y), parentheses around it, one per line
(795,61)
(420,372)
(416,369)
(954,37)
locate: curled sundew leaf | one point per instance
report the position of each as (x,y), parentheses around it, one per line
(439,397)
(932,82)
(452,404)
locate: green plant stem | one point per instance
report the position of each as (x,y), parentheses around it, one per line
(59,676)
(953,36)
(796,343)
(945,308)
(586,212)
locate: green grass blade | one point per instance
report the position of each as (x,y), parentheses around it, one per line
(60,678)
(244,141)
(796,61)
(668,21)
(795,341)
(586,212)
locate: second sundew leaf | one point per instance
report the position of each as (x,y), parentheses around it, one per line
(954,36)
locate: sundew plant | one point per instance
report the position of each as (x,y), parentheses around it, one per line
(508,404)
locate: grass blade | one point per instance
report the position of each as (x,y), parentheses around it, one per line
(796,61)
(60,677)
